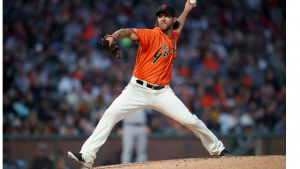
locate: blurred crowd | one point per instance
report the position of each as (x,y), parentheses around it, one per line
(230,69)
(43,159)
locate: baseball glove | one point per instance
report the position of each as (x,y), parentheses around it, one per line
(113,49)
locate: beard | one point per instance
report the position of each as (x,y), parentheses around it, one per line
(166,27)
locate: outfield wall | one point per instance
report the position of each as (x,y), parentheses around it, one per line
(160,147)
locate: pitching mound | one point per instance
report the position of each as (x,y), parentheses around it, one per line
(236,162)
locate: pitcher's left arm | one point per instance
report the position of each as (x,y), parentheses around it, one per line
(188,7)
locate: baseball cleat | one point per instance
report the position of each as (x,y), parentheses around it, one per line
(78,158)
(225,153)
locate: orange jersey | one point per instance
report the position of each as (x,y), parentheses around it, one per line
(155,56)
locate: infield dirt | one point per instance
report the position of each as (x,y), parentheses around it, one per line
(211,162)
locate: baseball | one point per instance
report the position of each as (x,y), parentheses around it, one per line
(193,2)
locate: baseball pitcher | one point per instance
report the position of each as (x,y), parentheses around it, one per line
(149,85)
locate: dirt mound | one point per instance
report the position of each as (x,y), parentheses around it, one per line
(236,162)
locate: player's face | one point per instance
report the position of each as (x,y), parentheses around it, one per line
(165,21)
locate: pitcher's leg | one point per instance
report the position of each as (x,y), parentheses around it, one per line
(128,102)
(171,106)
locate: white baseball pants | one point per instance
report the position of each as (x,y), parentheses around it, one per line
(135,97)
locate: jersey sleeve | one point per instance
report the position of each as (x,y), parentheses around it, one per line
(146,37)
(176,35)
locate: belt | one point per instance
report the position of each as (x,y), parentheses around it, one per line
(150,85)
(135,124)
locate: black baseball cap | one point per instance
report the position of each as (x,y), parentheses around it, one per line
(167,9)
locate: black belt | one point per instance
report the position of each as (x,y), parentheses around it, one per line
(135,124)
(149,85)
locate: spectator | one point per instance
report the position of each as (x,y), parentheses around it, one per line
(280,126)
(42,160)
(228,121)
(69,83)
(11,163)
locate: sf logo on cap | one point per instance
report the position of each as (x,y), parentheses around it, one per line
(164,7)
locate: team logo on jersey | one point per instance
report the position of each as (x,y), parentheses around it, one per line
(162,51)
